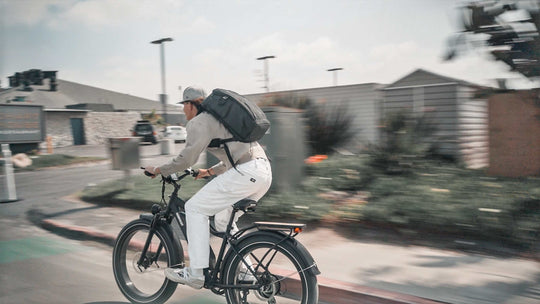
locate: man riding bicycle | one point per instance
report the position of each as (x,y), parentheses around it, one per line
(249,177)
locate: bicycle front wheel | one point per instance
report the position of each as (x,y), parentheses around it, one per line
(278,274)
(145,282)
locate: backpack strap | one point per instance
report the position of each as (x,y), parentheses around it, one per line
(217,142)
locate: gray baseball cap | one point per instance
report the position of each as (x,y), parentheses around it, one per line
(192,93)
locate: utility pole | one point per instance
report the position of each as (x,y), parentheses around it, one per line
(335,70)
(266,78)
(163,95)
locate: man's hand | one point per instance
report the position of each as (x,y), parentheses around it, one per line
(204,173)
(151,171)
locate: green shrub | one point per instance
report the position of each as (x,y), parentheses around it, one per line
(405,139)
(434,196)
(328,127)
(299,206)
(346,173)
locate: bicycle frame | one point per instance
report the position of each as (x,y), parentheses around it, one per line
(175,210)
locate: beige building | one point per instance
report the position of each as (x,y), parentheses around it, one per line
(78,114)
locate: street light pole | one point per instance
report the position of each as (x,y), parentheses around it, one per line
(266,78)
(335,70)
(163,95)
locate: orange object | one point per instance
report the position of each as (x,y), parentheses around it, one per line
(316,159)
(49,145)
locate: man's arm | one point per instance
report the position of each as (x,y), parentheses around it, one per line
(198,138)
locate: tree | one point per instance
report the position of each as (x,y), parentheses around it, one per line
(514,40)
(328,127)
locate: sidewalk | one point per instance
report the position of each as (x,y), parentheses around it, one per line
(337,285)
(358,271)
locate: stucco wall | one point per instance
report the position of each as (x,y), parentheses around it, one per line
(514,134)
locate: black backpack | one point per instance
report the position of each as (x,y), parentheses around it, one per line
(242,117)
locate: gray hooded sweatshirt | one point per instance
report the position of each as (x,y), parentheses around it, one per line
(200,132)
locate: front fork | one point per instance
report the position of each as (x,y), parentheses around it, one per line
(144,260)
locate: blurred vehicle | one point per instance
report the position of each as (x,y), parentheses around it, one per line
(178,133)
(145,130)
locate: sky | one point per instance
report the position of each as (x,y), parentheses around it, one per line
(106,43)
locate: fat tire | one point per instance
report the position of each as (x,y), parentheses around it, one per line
(310,288)
(120,263)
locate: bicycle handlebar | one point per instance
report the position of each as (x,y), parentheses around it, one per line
(173,177)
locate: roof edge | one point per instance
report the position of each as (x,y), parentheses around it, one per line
(446,78)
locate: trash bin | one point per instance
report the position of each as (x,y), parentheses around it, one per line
(167,146)
(285,145)
(124,152)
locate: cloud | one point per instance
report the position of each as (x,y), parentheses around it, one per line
(394,51)
(387,63)
(170,15)
(291,49)
(179,25)
(29,12)
(99,14)
(295,60)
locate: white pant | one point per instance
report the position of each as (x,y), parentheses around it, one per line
(216,198)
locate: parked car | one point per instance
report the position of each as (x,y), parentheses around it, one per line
(145,130)
(178,133)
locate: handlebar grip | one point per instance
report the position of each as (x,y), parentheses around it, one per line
(195,173)
(147,173)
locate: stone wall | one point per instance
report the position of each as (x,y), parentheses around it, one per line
(58,127)
(99,126)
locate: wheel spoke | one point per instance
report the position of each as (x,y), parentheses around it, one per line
(281,276)
(143,280)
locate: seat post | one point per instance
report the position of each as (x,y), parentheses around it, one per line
(224,243)
(231,221)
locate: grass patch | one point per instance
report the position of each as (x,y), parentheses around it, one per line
(141,195)
(432,197)
(299,206)
(444,198)
(53,160)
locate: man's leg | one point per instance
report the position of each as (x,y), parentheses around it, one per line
(216,196)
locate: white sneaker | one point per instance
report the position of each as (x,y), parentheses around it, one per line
(184,276)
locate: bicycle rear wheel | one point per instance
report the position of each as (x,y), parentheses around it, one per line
(145,283)
(281,274)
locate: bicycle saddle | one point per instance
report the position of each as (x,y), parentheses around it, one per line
(246,205)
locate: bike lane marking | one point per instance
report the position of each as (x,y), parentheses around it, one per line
(34,247)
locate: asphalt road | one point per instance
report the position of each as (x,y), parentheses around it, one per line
(40,267)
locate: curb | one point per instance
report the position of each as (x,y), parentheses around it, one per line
(330,291)
(339,292)
(78,231)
